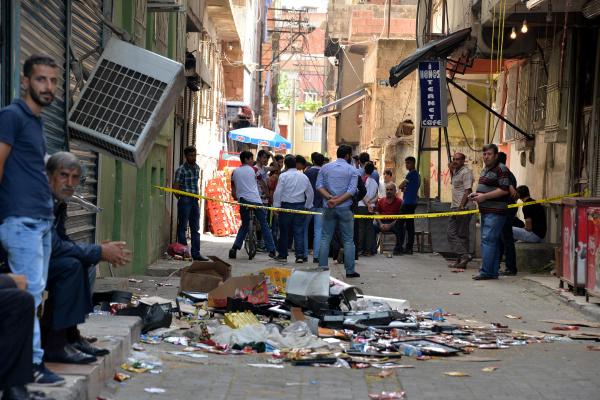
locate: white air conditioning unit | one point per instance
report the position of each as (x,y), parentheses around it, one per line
(126,101)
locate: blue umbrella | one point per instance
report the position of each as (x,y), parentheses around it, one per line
(260,137)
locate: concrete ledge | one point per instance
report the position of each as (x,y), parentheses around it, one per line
(85,382)
(166,267)
(550,283)
(533,257)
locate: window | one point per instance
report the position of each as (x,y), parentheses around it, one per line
(312,133)
(310,96)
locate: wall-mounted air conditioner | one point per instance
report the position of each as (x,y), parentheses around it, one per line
(126,101)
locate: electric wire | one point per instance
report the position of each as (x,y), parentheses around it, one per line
(458,118)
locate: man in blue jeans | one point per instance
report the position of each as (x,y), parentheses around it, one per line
(406,227)
(313,172)
(26,209)
(293,192)
(244,188)
(337,184)
(188,209)
(493,197)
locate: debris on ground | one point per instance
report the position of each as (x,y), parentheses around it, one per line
(306,318)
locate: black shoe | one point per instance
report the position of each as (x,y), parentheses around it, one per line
(272,254)
(85,347)
(483,277)
(353,275)
(508,273)
(299,260)
(315,260)
(21,393)
(232,253)
(201,258)
(44,377)
(69,355)
(305,259)
(281,259)
(398,253)
(408,251)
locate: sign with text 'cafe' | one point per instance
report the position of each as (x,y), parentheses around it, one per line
(432,84)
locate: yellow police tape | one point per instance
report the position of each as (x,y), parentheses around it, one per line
(369,216)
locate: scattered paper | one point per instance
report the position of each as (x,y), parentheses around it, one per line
(267,366)
(155,390)
(456,373)
(387,396)
(187,354)
(138,347)
(457,270)
(489,369)
(385,373)
(454,293)
(121,377)
(390,365)
(565,328)
(509,316)
(593,348)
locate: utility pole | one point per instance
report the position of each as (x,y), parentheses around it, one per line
(389,16)
(292,130)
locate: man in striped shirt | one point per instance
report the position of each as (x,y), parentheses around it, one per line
(492,196)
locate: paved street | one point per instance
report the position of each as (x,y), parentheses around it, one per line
(537,371)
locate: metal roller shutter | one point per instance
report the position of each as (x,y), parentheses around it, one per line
(43,31)
(86,44)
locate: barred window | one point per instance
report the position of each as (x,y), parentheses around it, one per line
(312,133)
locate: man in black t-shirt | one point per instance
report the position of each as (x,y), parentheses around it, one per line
(535,219)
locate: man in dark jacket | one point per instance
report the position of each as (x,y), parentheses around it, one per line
(16,368)
(71,272)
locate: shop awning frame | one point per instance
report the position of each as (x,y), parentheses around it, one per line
(339,105)
(435,49)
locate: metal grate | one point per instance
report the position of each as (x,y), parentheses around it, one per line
(119,102)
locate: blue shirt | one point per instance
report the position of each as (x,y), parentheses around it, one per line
(337,178)
(312,174)
(412,188)
(24,191)
(187,175)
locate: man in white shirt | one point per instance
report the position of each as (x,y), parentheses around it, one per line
(366,235)
(244,188)
(294,192)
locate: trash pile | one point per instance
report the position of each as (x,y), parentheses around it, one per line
(302,318)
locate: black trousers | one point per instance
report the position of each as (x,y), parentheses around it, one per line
(407,227)
(69,301)
(16,336)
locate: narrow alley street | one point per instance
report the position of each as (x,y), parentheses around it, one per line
(558,370)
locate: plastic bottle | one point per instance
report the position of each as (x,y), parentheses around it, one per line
(410,350)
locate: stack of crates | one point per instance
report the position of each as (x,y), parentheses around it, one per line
(223,218)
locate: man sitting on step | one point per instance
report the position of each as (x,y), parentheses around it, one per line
(535,219)
(71,272)
(389,205)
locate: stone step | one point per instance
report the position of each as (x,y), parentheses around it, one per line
(85,382)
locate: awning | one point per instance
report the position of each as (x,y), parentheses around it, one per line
(338,106)
(260,137)
(440,48)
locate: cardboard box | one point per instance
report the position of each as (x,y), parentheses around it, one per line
(204,276)
(250,287)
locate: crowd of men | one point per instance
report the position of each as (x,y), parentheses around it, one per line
(332,193)
(342,194)
(40,256)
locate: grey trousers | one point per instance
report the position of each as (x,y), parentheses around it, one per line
(458,234)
